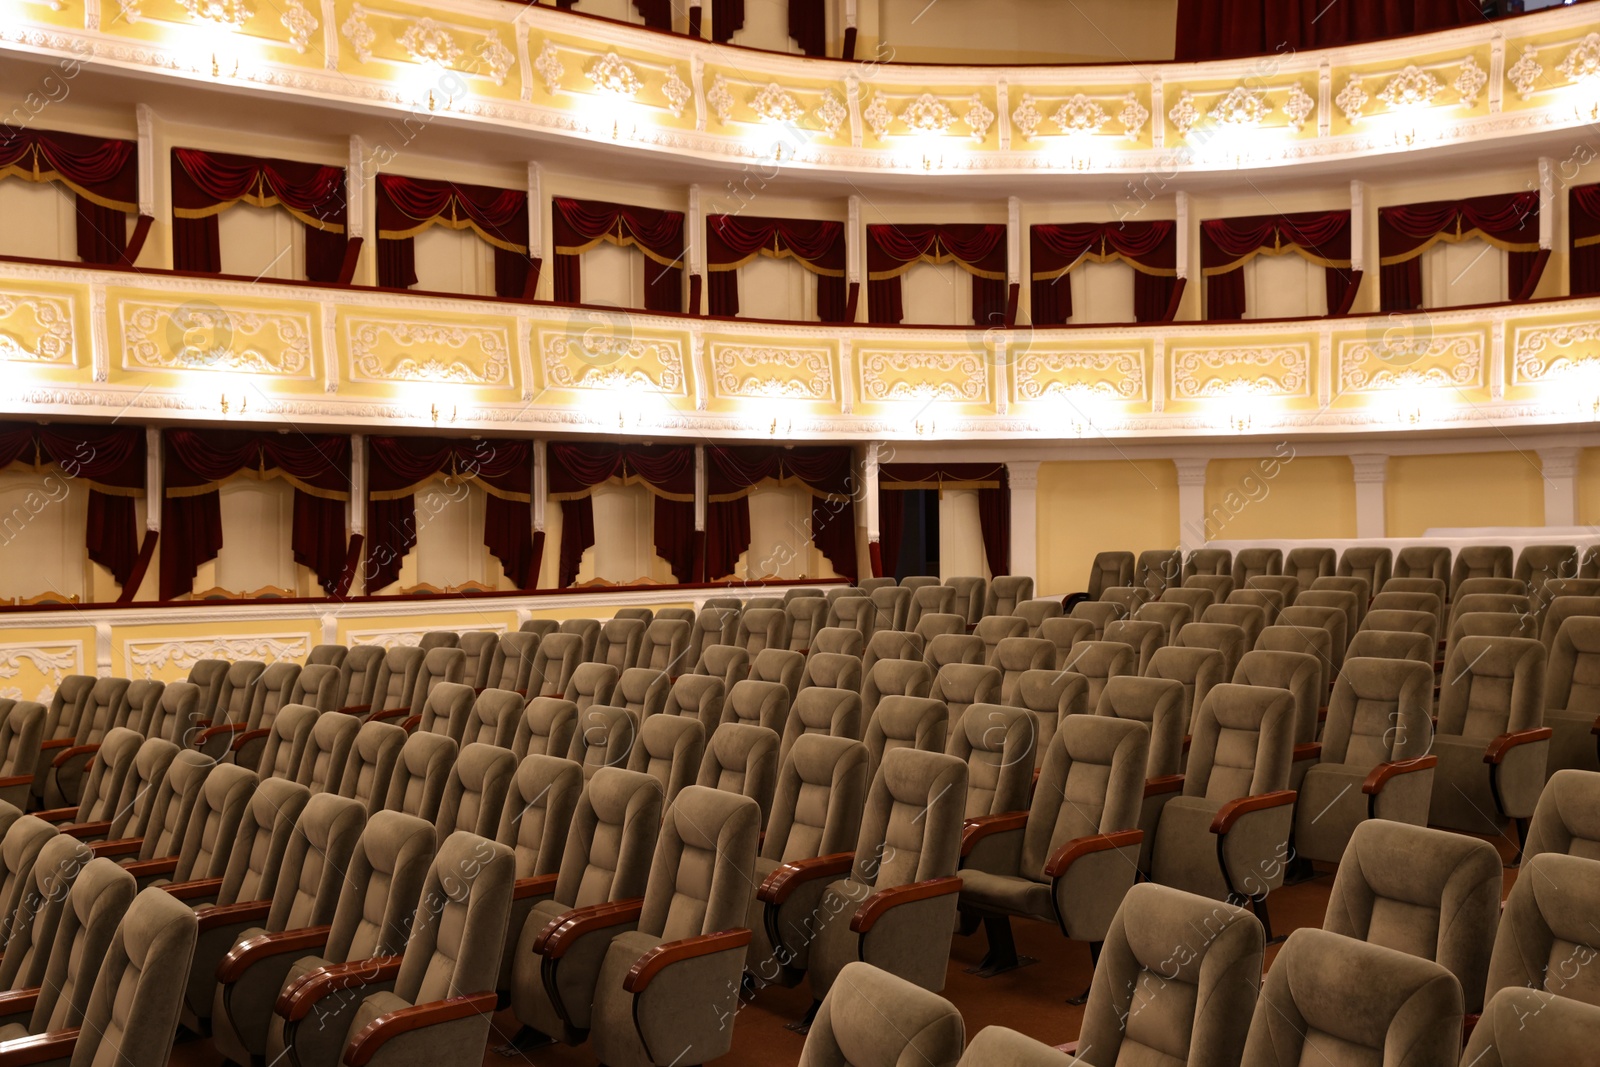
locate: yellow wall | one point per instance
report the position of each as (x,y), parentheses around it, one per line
(1280,495)
(1466,489)
(1589,486)
(1089,507)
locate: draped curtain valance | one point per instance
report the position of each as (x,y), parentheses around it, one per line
(817,245)
(1055,249)
(827,473)
(408,206)
(667,471)
(579,225)
(991,480)
(1226,245)
(979,248)
(1508,221)
(102,173)
(197,463)
(111,459)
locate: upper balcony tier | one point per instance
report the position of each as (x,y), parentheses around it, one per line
(1528,85)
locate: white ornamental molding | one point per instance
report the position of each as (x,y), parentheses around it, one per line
(54,660)
(978,117)
(145,658)
(204,336)
(1352,100)
(1412,87)
(1080,115)
(928,114)
(878,116)
(1268,370)
(612,74)
(428,42)
(891,375)
(1241,107)
(609,362)
(833,114)
(1470,81)
(356,30)
(1026,118)
(1184,114)
(761,371)
(677,92)
(1111,375)
(548,66)
(230,13)
(52,315)
(1133,116)
(1298,105)
(1539,352)
(496,58)
(1526,73)
(433,360)
(1583,62)
(720,99)
(300,23)
(1431,362)
(776,104)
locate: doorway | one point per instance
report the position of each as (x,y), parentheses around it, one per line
(919,533)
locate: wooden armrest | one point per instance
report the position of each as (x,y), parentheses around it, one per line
(1188,739)
(1595,729)
(1322,713)
(389,713)
(564,932)
(1171,783)
(873,908)
(661,957)
(982,826)
(246,737)
(781,883)
(1233,810)
(87,829)
(17,1001)
(538,886)
(200,887)
(411,724)
(152,868)
(128,846)
(40,1048)
(1502,745)
(241,956)
(1078,847)
(355,709)
(1380,775)
(220,915)
(53,814)
(13,780)
(299,996)
(63,758)
(212,731)
(55,743)
(379,1031)
(1309,750)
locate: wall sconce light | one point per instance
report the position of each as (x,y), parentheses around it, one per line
(227,405)
(1239,423)
(433,411)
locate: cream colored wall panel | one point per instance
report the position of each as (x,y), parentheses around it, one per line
(1282,495)
(624,537)
(257,527)
(780,535)
(625,373)
(168,652)
(766,25)
(960,535)
(1284,287)
(450,547)
(31,667)
(777,289)
(407,631)
(454,261)
(1085,507)
(1589,486)
(611,276)
(43,515)
(1450,491)
(936,295)
(41,220)
(1101,292)
(1458,274)
(261,242)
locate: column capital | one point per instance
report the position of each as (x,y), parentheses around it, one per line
(1023,474)
(1369,470)
(1191,470)
(1558,462)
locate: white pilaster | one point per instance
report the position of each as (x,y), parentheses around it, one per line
(541,482)
(1370,473)
(1191,502)
(1182,235)
(360,183)
(154,479)
(700,488)
(358,484)
(1024,480)
(870,480)
(854,249)
(1013,240)
(1547,203)
(1559,468)
(1358,226)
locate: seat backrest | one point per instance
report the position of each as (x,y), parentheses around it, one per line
(166,818)
(206,674)
(833,670)
(1572,679)
(540,800)
(1251,563)
(1567,818)
(1208,561)
(1492,586)
(892,677)
(21,730)
(370,764)
(141,785)
(807,615)
(643,691)
(1109,570)
(326,751)
(214,823)
(821,710)
(1539,564)
(618,643)
(1423,561)
(1343,602)
(930,600)
(1100,613)
(1321,994)
(379,895)
(758,703)
(460,928)
(1547,927)
(995,628)
(1228,638)
(729,663)
(360,671)
(906,722)
(699,696)
(915,806)
(1560,610)
(40,905)
(1504,1038)
(1197,668)
(1065,632)
(1015,656)
(1171,616)
(1033,613)
(761,628)
(99,897)
(1177,977)
(144,696)
(955,648)
(1380,712)
(318,685)
(816,806)
(1264,595)
(1491,686)
(1427,893)
(1144,637)
(233,698)
(1156,702)
(700,874)
(591,684)
(1369,562)
(1092,782)
(1333,620)
(713,626)
(1297,673)
(665,646)
(611,840)
(880,1018)
(176,713)
(493,719)
(1196,598)
(893,606)
(891,644)
(475,793)
(1006,593)
(271,691)
(311,873)
(512,664)
(1308,564)
(669,749)
(783,666)
(446,709)
(255,855)
(286,741)
(420,774)
(108,774)
(742,758)
(1396,621)
(853,614)
(539,628)
(933,624)
(557,656)
(106,708)
(433,639)
(997,745)
(480,647)
(1158,569)
(603,738)
(1050,696)
(1392,644)
(960,685)
(439,666)
(1312,641)
(397,677)
(1404,600)
(1243,741)
(1099,661)
(545,727)
(1480,561)
(967,600)
(132,1014)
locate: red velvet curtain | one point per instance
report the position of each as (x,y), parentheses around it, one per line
(102,173)
(1151,248)
(657,14)
(994,504)
(1583,213)
(1226,245)
(1225,29)
(1509,221)
(734,240)
(979,247)
(891,527)
(727,19)
(111,460)
(578,225)
(398,467)
(318,466)
(827,471)
(407,206)
(204,184)
(668,470)
(808,26)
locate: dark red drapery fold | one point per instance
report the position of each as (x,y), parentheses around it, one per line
(808,26)
(827,471)
(1225,29)
(1151,248)
(734,240)
(399,465)
(979,247)
(578,225)
(102,232)
(1509,221)
(727,19)
(1323,237)
(994,505)
(668,470)
(407,206)
(318,466)
(727,536)
(1583,213)
(103,169)
(204,184)
(657,14)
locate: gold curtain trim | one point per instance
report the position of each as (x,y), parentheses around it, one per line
(1321,261)
(177,492)
(941,485)
(780,254)
(41,176)
(257,201)
(453,224)
(38,467)
(1104,257)
(1457,238)
(937,259)
(1585,242)
(441,476)
(788,481)
(626,479)
(621,241)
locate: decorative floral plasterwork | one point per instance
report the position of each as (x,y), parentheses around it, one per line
(51,315)
(1184,113)
(1241,107)
(928,114)
(429,352)
(978,117)
(776,104)
(605,361)
(231,13)
(878,116)
(1470,80)
(760,371)
(1453,361)
(1026,118)
(429,42)
(677,92)
(202,336)
(1352,100)
(1133,115)
(1113,375)
(360,35)
(612,74)
(1412,87)
(1080,115)
(300,23)
(496,57)
(1526,72)
(1583,61)
(183,654)
(548,66)
(720,99)
(52,660)
(1541,353)
(1266,371)
(832,113)
(1298,106)
(131,11)
(910,376)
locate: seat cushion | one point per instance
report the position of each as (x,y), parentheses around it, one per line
(372,1007)
(1185,855)
(1007,895)
(1329,808)
(1462,799)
